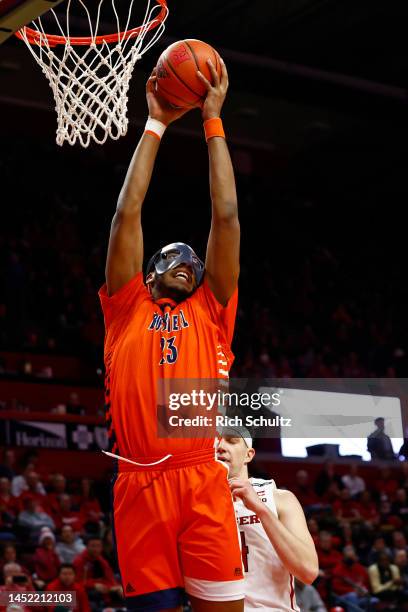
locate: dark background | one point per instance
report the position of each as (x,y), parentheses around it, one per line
(316,123)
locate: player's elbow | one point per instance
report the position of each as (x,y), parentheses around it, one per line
(309,572)
(129,201)
(225,211)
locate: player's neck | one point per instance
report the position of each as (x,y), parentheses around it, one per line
(243,475)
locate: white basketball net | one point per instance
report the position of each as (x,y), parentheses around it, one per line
(90,83)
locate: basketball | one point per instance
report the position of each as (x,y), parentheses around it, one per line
(177,79)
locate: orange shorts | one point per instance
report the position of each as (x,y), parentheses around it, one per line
(175,529)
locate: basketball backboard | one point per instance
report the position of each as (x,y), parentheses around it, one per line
(16,13)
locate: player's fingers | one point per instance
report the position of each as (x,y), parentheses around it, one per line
(214,74)
(224,71)
(236,487)
(153,73)
(233,480)
(224,74)
(204,80)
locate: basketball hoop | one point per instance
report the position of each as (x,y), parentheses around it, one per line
(90,86)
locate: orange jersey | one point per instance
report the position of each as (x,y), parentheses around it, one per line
(147,341)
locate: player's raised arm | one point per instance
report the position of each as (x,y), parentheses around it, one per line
(222,259)
(125,250)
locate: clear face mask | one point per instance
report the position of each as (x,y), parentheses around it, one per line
(173,255)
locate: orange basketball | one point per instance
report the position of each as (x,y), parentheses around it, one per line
(177,79)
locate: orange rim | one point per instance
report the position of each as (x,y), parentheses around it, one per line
(37,38)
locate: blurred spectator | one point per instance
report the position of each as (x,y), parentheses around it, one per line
(368,510)
(388,521)
(9,555)
(401,561)
(307,598)
(378,443)
(399,542)
(7,465)
(303,490)
(328,484)
(58,485)
(19,484)
(46,560)
(96,574)
(67,515)
(354,483)
(400,505)
(346,509)
(350,581)
(70,545)
(385,580)
(33,519)
(386,484)
(329,558)
(17,581)
(35,490)
(74,405)
(66,581)
(9,506)
(379,546)
(90,507)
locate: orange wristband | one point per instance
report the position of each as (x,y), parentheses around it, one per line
(213,127)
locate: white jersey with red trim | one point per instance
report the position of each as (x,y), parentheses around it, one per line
(268,584)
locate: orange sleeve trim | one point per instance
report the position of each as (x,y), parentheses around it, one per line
(213,127)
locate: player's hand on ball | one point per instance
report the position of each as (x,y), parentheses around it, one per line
(159,108)
(216,91)
(243,489)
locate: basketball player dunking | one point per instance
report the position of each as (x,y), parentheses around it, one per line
(172,507)
(276,544)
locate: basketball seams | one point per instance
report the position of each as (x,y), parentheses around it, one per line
(193,54)
(216,62)
(166,59)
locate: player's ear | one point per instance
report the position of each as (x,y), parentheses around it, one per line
(250,455)
(149,278)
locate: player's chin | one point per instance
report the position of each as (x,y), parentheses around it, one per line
(182,286)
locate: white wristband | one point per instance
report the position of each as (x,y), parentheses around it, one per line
(155,127)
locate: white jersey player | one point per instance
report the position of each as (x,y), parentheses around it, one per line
(276,544)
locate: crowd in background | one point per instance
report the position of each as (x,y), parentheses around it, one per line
(305,309)
(55,535)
